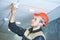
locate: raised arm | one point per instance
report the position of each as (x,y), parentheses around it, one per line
(12,25)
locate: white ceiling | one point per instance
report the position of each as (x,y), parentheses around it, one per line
(24,13)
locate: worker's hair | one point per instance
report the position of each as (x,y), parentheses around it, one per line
(42,21)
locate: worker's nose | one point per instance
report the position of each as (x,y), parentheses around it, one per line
(33,21)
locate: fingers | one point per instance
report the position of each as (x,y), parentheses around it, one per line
(13,9)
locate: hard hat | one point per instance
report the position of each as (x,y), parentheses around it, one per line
(43,15)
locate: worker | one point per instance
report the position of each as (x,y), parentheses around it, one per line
(39,21)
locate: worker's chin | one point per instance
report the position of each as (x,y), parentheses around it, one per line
(33,26)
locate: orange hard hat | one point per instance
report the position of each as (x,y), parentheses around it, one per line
(43,15)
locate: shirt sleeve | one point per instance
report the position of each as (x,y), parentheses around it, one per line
(14,28)
(39,38)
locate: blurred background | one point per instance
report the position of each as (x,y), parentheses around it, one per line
(24,15)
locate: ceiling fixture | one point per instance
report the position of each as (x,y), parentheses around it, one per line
(31,10)
(6,19)
(8,29)
(18,22)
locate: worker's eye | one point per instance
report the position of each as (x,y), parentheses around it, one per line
(35,18)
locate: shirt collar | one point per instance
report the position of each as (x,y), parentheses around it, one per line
(31,30)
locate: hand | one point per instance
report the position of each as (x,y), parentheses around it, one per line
(13,9)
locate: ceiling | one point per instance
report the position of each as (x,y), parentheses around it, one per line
(26,9)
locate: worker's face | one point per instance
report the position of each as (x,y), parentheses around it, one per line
(36,21)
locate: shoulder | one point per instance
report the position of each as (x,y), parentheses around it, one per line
(39,38)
